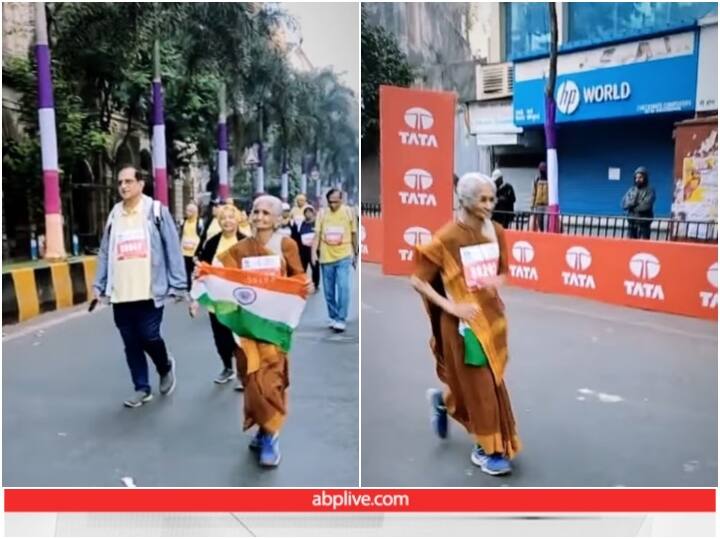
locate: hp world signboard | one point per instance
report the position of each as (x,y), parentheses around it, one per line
(615,82)
(416,169)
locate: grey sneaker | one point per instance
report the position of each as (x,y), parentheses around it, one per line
(225,376)
(239,386)
(138,399)
(167,382)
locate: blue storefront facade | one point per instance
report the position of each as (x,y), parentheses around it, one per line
(616,110)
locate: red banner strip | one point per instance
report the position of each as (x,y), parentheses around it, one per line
(361,500)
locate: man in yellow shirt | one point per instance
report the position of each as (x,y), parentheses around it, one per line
(139,266)
(336,239)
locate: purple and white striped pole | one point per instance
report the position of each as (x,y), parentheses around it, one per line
(224,189)
(303,176)
(54,241)
(159,151)
(260,172)
(552,165)
(284,183)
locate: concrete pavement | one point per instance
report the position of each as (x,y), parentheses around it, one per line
(64,424)
(603,396)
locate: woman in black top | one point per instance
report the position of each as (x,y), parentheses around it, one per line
(306,235)
(224,341)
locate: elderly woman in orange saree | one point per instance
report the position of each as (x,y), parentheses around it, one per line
(458,274)
(263,367)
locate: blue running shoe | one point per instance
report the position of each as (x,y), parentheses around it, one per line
(478,456)
(269,450)
(438,413)
(256,442)
(494,464)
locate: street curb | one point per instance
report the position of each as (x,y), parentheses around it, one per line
(28,292)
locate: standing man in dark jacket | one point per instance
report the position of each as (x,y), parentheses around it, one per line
(638,202)
(505,205)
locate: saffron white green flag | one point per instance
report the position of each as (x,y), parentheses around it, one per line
(259,306)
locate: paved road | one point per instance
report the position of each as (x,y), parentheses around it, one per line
(64,424)
(603,395)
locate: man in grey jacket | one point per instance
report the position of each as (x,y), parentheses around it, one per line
(638,202)
(139,266)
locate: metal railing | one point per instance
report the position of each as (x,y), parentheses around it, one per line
(370,209)
(658,229)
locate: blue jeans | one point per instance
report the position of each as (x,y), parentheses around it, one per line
(139,325)
(336,281)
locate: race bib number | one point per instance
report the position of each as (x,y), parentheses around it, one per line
(189,244)
(285,232)
(132,244)
(262,264)
(480,262)
(307,239)
(333,235)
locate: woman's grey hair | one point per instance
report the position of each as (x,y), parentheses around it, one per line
(468,190)
(274,202)
(469,185)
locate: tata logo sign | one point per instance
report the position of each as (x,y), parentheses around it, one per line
(578,260)
(569,96)
(708,298)
(523,253)
(414,235)
(419,181)
(645,268)
(420,122)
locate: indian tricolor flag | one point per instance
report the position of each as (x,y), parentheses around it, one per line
(254,305)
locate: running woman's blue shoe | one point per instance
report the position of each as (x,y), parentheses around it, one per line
(494,464)
(269,450)
(256,442)
(438,413)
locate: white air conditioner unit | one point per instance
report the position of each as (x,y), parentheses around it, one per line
(494,81)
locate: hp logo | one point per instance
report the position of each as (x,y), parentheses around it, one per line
(567,97)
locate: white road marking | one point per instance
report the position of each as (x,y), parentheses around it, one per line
(128,482)
(612,319)
(41,326)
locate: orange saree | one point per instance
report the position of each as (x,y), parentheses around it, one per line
(263,367)
(476,397)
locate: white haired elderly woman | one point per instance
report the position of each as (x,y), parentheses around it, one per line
(263,367)
(458,274)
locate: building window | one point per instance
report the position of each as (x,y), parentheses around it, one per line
(605,21)
(527,28)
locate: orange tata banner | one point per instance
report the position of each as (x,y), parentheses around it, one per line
(371,244)
(417,136)
(671,277)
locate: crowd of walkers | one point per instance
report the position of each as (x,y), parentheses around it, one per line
(146,260)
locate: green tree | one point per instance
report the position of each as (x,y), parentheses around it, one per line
(382,63)
(77,131)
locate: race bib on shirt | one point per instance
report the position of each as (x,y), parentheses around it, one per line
(480,262)
(307,239)
(262,264)
(285,232)
(333,235)
(190,244)
(132,244)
